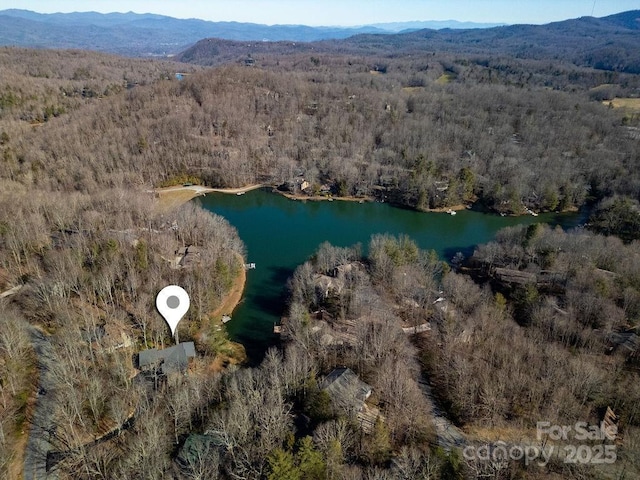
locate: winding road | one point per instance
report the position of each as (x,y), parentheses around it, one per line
(448,435)
(42,425)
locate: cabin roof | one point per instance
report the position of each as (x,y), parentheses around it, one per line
(509,275)
(627,340)
(188,255)
(346,389)
(196,446)
(170,360)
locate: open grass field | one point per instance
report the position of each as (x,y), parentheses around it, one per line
(445,78)
(631,104)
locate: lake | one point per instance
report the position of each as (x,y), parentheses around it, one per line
(280,234)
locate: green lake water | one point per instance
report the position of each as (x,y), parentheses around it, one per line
(280,234)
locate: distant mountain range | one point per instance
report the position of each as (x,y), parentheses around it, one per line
(397,27)
(149,34)
(608,43)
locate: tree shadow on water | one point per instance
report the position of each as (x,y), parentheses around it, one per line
(450,252)
(269,302)
(257,335)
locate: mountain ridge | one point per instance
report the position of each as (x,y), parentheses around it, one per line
(164,35)
(608,43)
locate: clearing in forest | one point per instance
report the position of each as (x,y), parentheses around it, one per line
(632,104)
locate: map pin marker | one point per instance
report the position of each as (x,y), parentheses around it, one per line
(172,302)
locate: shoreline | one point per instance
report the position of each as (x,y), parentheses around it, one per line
(233,298)
(453,208)
(322,198)
(172,197)
(235,352)
(202,189)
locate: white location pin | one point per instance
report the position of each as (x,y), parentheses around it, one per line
(172,302)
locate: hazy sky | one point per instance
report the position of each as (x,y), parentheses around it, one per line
(343,12)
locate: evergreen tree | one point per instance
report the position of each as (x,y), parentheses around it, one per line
(311,464)
(282,466)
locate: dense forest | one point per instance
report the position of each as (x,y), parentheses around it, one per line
(423,133)
(80,269)
(538,324)
(533,326)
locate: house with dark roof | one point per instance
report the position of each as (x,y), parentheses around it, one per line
(349,394)
(168,360)
(346,390)
(197,446)
(187,256)
(625,343)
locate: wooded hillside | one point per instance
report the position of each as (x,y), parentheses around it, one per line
(423,132)
(80,266)
(539,325)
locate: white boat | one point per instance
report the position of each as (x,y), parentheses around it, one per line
(451,212)
(240,193)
